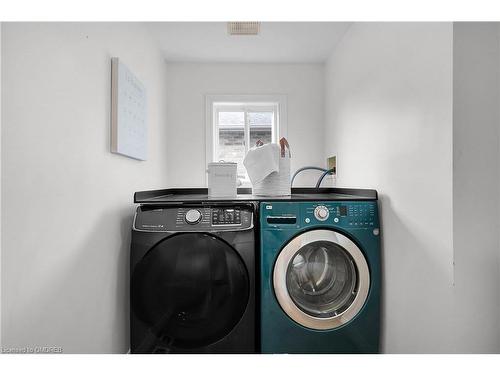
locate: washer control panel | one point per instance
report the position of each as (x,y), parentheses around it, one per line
(347,214)
(193,219)
(343,214)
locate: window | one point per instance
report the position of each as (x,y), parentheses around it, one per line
(236,123)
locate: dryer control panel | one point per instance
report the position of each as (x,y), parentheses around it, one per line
(193,219)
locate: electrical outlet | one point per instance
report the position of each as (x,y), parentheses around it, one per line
(331,163)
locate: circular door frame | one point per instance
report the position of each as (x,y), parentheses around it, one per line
(281,290)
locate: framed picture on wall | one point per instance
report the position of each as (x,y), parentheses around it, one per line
(129,131)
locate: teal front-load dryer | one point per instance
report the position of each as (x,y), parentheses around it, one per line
(320,277)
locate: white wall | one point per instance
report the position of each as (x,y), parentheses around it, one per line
(389,120)
(303,84)
(0,184)
(476,121)
(67,201)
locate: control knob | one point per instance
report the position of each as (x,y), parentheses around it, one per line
(321,213)
(193,216)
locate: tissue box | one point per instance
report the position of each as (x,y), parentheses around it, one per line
(222,179)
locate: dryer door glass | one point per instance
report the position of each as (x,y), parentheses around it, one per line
(321,279)
(190,290)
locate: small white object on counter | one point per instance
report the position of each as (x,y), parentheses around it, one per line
(222,179)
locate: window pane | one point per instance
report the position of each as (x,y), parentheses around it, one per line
(261,126)
(230,126)
(231,119)
(260,118)
(232,139)
(232,148)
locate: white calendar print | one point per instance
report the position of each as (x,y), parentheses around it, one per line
(129,133)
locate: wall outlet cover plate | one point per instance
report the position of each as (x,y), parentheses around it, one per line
(331,163)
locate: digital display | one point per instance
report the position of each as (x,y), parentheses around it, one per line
(342,210)
(226,216)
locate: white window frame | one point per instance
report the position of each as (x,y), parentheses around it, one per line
(216,103)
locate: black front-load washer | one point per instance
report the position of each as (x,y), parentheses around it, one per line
(192,279)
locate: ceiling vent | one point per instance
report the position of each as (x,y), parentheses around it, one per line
(243,28)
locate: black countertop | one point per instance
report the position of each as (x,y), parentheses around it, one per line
(199,195)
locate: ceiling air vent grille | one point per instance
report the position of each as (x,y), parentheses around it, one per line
(243,28)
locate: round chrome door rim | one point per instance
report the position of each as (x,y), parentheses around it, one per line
(281,291)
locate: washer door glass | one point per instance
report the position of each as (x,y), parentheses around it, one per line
(190,290)
(321,279)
